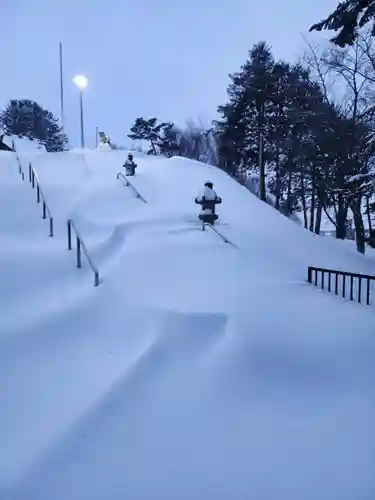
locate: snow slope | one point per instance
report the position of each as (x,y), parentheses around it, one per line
(197,369)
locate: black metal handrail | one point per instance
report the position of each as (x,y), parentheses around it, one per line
(337,288)
(213,228)
(120,175)
(81,244)
(20,169)
(34,180)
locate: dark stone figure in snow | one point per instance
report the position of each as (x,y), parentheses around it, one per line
(130,165)
(208,200)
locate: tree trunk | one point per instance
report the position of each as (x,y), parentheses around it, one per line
(289,195)
(358,224)
(371,232)
(318,219)
(303,197)
(153,147)
(312,207)
(278,177)
(342,212)
(262,172)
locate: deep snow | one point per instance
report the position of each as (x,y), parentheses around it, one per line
(197,369)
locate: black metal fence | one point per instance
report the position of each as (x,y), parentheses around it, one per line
(353,286)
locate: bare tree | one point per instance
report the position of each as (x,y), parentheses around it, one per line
(347,79)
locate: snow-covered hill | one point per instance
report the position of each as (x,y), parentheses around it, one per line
(197,369)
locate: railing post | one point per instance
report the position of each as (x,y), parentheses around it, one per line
(368,292)
(51,226)
(30,171)
(33,179)
(69,235)
(96,279)
(359,290)
(79,265)
(37,193)
(322,283)
(44,210)
(309,274)
(343,285)
(351,287)
(337,284)
(329,281)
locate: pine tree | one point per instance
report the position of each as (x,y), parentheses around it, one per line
(274,102)
(348,18)
(148,130)
(169,140)
(244,123)
(26,118)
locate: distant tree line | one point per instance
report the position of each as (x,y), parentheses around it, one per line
(26,118)
(305,131)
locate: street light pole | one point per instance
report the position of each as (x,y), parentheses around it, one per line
(61,88)
(81,82)
(82,124)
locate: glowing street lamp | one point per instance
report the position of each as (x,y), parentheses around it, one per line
(81,82)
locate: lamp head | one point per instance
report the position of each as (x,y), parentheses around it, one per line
(80,81)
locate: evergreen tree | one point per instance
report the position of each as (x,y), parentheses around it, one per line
(244,123)
(348,18)
(169,139)
(148,130)
(26,118)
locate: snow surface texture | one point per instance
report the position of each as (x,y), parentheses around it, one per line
(197,369)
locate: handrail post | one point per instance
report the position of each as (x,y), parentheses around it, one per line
(309,274)
(69,235)
(44,210)
(368,292)
(81,246)
(359,290)
(37,193)
(30,171)
(79,264)
(51,226)
(33,179)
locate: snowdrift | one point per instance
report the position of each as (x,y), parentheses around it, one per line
(197,369)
